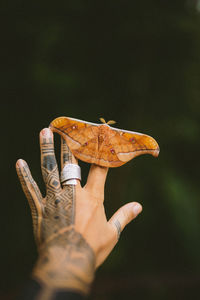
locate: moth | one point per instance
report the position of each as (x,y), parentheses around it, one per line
(101,144)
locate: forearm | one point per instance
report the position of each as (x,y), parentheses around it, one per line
(36,291)
(66,262)
(62,272)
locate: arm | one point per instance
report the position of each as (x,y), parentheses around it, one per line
(72,233)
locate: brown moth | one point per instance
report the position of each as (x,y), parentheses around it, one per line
(101,144)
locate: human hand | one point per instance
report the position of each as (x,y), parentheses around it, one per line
(71,230)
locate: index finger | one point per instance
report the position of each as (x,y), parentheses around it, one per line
(96,180)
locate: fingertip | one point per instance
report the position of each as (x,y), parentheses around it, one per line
(20,163)
(46,132)
(137,208)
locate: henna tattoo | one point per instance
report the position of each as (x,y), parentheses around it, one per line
(49,161)
(59,209)
(49,165)
(66,155)
(118,227)
(58,212)
(68,261)
(52,180)
(65,258)
(34,198)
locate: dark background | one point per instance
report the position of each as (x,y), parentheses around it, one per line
(137,62)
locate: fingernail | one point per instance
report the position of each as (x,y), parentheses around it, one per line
(20,163)
(46,132)
(137,208)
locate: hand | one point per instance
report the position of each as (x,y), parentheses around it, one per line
(72,233)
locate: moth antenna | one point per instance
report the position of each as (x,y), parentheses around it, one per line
(111,122)
(102,120)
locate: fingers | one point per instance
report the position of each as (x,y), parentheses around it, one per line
(48,161)
(96,179)
(67,157)
(123,216)
(31,191)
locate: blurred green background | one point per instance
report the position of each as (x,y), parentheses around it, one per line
(137,62)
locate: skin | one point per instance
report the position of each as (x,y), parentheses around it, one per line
(72,233)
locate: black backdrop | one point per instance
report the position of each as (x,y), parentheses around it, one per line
(137,62)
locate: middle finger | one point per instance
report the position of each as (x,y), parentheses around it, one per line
(48,162)
(96,180)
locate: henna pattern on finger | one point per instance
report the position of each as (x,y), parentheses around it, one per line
(66,155)
(58,212)
(52,180)
(49,166)
(34,198)
(59,203)
(118,228)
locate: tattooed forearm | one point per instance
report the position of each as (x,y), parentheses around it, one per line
(66,261)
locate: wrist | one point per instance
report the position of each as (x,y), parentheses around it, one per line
(67,263)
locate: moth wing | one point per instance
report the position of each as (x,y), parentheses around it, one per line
(108,158)
(76,132)
(88,152)
(128,145)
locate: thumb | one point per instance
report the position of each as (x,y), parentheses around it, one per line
(124,215)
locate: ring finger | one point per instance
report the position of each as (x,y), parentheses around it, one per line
(67,158)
